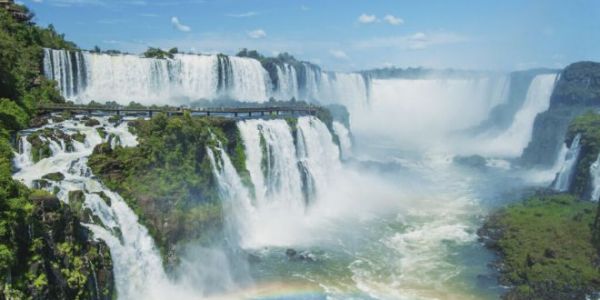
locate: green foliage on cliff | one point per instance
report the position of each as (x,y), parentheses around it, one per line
(32,224)
(21,53)
(168,177)
(579,84)
(588,125)
(44,251)
(546,247)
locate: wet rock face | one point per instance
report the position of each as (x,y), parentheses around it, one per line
(92,122)
(576,91)
(579,84)
(59,258)
(549,132)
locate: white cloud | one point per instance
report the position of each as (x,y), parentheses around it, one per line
(367,19)
(304,8)
(257,34)
(339,54)
(179,26)
(393,20)
(416,41)
(243,15)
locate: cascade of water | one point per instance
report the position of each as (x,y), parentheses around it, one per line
(564,178)
(23,157)
(286,176)
(512,141)
(595,179)
(250,81)
(322,156)
(287,87)
(425,112)
(274,170)
(235,195)
(85,76)
(196,75)
(137,263)
(343,135)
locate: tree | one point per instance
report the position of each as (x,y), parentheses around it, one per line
(250,54)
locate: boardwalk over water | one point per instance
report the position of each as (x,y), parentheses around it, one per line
(236,112)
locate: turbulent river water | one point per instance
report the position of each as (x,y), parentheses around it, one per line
(383,213)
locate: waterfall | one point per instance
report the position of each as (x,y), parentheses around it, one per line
(513,141)
(287,175)
(23,157)
(564,178)
(595,180)
(274,171)
(67,68)
(235,195)
(137,263)
(125,78)
(345,141)
(319,154)
(86,76)
(287,79)
(418,112)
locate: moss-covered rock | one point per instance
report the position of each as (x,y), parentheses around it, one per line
(58,176)
(40,148)
(78,136)
(91,122)
(115,119)
(546,248)
(101,131)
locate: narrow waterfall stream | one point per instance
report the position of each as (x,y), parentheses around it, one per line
(564,178)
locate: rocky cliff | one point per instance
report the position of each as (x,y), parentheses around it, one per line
(577,90)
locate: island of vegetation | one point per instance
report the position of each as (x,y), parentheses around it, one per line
(549,244)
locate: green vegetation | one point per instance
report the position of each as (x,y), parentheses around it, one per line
(160,54)
(21,52)
(43,248)
(588,125)
(546,247)
(167,179)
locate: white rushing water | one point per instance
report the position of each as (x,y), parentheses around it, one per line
(595,180)
(424,112)
(286,176)
(86,76)
(348,214)
(344,138)
(564,178)
(137,263)
(513,141)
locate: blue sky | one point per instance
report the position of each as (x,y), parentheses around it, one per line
(344,34)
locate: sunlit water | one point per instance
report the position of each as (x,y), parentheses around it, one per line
(421,242)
